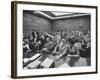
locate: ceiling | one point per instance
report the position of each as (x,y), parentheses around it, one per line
(55,15)
(61,13)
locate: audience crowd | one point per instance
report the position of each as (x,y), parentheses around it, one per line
(59,44)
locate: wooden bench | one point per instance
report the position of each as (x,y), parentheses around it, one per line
(34,65)
(47,63)
(26,61)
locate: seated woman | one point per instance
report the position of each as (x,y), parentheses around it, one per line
(26,48)
(74,53)
(47,46)
(32,46)
(26,45)
(35,35)
(37,45)
(57,48)
(74,50)
(60,50)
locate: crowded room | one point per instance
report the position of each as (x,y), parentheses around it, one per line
(54,39)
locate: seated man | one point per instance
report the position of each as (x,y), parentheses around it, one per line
(86,51)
